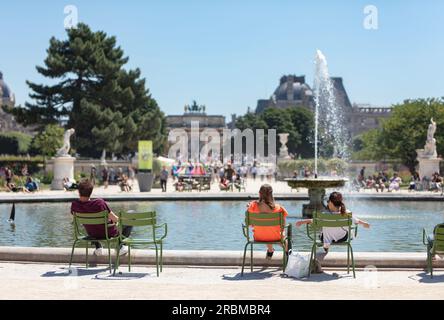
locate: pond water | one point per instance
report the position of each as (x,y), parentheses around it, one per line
(395,225)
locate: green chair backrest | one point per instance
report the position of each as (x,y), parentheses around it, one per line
(438,242)
(331,220)
(95,218)
(264,219)
(137,219)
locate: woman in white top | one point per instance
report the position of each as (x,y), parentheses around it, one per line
(330,235)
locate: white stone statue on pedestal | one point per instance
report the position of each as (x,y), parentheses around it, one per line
(103,158)
(283,151)
(64,150)
(428,157)
(63,163)
(430,146)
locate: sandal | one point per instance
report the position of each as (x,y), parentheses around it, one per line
(269,255)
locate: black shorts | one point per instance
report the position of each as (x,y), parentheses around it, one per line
(344,239)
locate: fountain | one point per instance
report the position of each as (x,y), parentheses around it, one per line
(333,124)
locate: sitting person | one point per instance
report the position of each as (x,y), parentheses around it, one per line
(179,185)
(329,235)
(379,183)
(395,183)
(13,188)
(30,185)
(224,184)
(436,183)
(124,184)
(238,182)
(70,184)
(266,204)
(87,205)
(414,182)
(370,183)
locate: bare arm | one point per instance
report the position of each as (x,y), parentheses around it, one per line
(302,222)
(112,216)
(363,223)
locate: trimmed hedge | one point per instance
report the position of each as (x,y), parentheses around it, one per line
(35,164)
(287,167)
(14,143)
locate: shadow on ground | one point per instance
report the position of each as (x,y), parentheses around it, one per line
(98,273)
(424,277)
(64,272)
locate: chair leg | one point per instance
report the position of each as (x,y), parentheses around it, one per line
(312,257)
(353,261)
(116,266)
(284,259)
(129,258)
(157,261)
(348,258)
(251,257)
(161,257)
(87,245)
(72,254)
(109,257)
(243,260)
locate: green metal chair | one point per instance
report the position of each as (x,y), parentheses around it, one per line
(136,220)
(321,220)
(265,220)
(99,218)
(435,245)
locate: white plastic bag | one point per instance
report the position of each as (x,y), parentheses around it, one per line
(297,265)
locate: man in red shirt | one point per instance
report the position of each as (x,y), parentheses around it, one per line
(87,205)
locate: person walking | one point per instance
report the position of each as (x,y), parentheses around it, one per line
(93,175)
(105,177)
(164,178)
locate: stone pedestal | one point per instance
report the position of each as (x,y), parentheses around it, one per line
(63,168)
(145,180)
(283,151)
(427,167)
(316,202)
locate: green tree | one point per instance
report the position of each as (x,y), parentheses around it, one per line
(48,141)
(367,146)
(298,122)
(405,131)
(108,106)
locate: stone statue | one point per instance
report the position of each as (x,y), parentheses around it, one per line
(283,151)
(430,146)
(63,151)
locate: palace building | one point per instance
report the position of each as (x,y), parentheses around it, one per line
(293,91)
(7,98)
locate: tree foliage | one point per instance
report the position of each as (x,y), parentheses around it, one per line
(298,122)
(48,141)
(405,132)
(108,106)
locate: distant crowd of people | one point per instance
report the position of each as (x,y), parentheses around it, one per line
(381,181)
(19,183)
(229,177)
(108,176)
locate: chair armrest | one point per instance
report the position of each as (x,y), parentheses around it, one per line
(424,236)
(165,230)
(355,228)
(245,231)
(308,232)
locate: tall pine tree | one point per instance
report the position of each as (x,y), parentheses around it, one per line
(109,107)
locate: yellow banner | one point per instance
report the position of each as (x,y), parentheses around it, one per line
(145,155)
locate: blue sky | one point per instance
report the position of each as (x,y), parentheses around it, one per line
(228,54)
